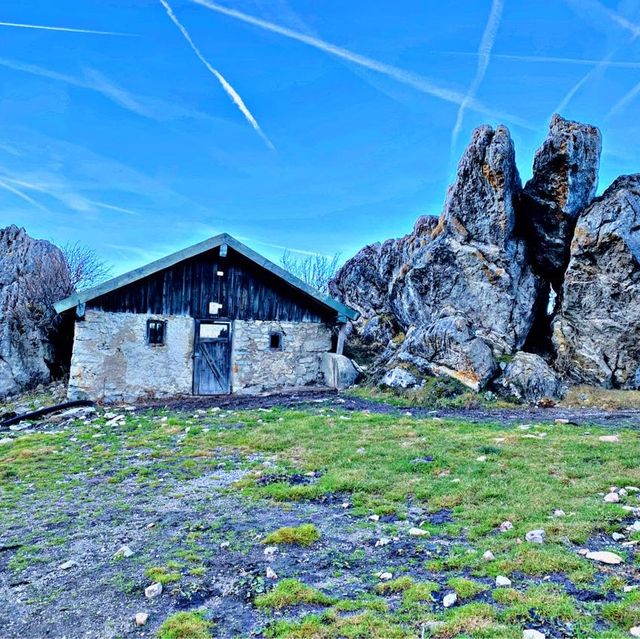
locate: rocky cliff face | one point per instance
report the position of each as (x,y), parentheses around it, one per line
(33,275)
(596,332)
(466,295)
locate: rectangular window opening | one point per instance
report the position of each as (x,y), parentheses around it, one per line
(156,332)
(276,341)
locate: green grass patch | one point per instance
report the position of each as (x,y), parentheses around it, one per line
(291,592)
(163,574)
(303,535)
(625,613)
(185,625)
(546,601)
(466,588)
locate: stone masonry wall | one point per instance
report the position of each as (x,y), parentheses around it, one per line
(113,362)
(256,367)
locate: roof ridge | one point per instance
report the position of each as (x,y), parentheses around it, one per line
(81,297)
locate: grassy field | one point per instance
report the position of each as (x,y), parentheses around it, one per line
(391,474)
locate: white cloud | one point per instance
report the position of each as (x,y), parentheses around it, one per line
(145,106)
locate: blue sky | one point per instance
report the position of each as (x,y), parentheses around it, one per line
(318,126)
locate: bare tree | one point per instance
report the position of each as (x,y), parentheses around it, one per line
(86,269)
(314,270)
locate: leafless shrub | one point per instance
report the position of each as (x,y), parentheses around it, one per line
(86,269)
(314,270)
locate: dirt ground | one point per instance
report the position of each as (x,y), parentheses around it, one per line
(628,417)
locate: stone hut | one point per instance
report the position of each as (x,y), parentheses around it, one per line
(211,319)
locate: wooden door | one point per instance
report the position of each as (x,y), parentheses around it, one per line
(212,358)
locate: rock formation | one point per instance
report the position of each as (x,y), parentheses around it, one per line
(371,278)
(33,275)
(596,332)
(467,295)
(565,178)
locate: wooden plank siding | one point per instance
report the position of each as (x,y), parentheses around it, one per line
(246,291)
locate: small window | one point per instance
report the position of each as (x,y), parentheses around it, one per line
(276,341)
(156,330)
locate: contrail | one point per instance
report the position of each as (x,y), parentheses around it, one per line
(621,21)
(113,207)
(22,195)
(624,101)
(68,29)
(280,246)
(602,65)
(484,57)
(400,75)
(545,59)
(231,92)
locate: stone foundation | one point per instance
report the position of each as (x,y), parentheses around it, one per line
(257,367)
(113,362)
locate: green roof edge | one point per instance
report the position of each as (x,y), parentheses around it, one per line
(81,297)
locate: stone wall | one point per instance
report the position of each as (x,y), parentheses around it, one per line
(257,367)
(113,362)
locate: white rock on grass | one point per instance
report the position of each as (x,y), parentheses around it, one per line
(535,536)
(383,541)
(635,631)
(503,582)
(269,551)
(612,498)
(271,573)
(605,557)
(374,517)
(123,553)
(153,591)
(635,526)
(417,532)
(488,556)
(141,618)
(505,526)
(529,633)
(385,576)
(559,513)
(67,564)
(616,536)
(611,439)
(449,599)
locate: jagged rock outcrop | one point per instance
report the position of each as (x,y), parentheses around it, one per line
(564,182)
(370,278)
(456,298)
(596,332)
(33,275)
(465,294)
